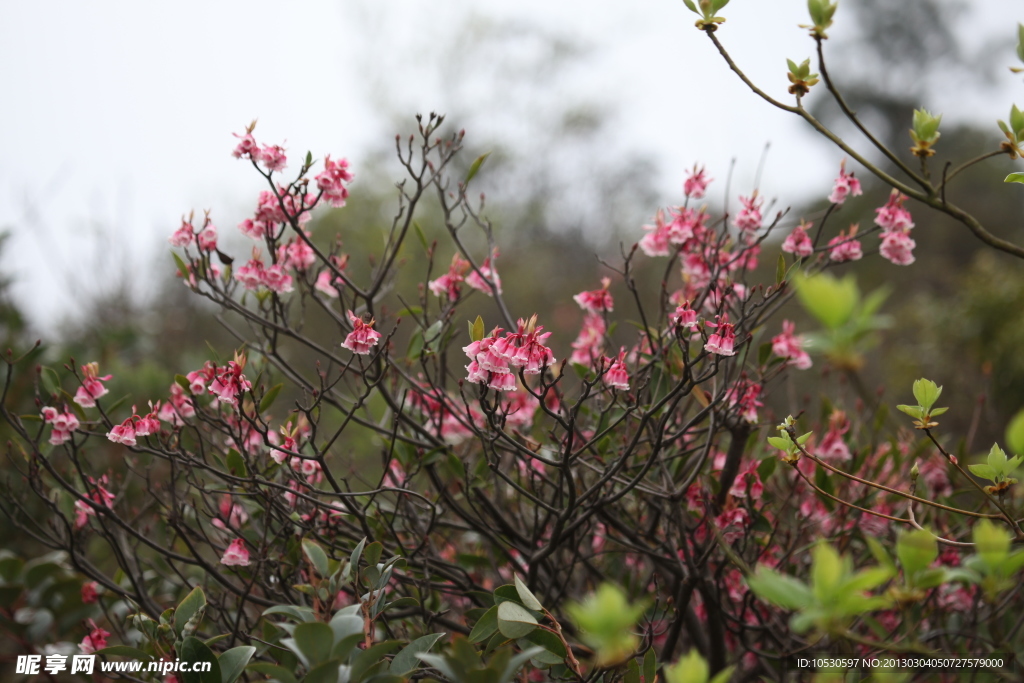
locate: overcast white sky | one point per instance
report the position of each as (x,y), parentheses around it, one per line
(118,115)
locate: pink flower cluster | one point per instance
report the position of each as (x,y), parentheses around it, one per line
(799,242)
(186,234)
(684,318)
(100,496)
(791,347)
(271,156)
(846,186)
(327,283)
(450,284)
(598,300)
(127,432)
(744,395)
(92,386)
(255,274)
(63,424)
(685,230)
(96,640)
(492,359)
(749,219)
(589,344)
(696,183)
(363,337)
(288,449)
(332,181)
(230,382)
(724,337)
(616,376)
(896,223)
(236,554)
(845,246)
(271,211)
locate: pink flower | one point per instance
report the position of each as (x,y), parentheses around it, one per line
(83,511)
(123,433)
(686,226)
(845,247)
(183,236)
(744,396)
(92,387)
(478,281)
(616,377)
(277,280)
(89,593)
(96,640)
(590,342)
(254,229)
(63,424)
(898,247)
(362,338)
(749,218)
(327,282)
(656,241)
(833,447)
(683,318)
(487,366)
(148,425)
(177,406)
(696,183)
(236,554)
(449,284)
(893,216)
(721,342)
(791,347)
(246,147)
(251,274)
(332,179)
(207,238)
(296,254)
(525,348)
(230,382)
(198,379)
(846,185)
(273,157)
(598,300)
(798,243)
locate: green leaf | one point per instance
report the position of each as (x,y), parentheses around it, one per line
(324,673)
(194,650)
(779,589)
(912,411)
(274,671)
(826,571)
(831,300)
(182,267)
(632,672)
(997,459)
(316,556)
(690,6)
(927,393)
(485,627)
(366,659)
(780,270)
(422,237)
(407,660)
(983,471)
(313,641)
(916,550)
(650,665)
(269,397)
(236,464)
(372,553)
(233,662)
(528,599)
(691,668)
(300,614)
(992,543)
(187,608)
(1015,430)
(514,621)
(474,168)
(477,330)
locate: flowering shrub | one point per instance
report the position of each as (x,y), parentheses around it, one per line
(415,493)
